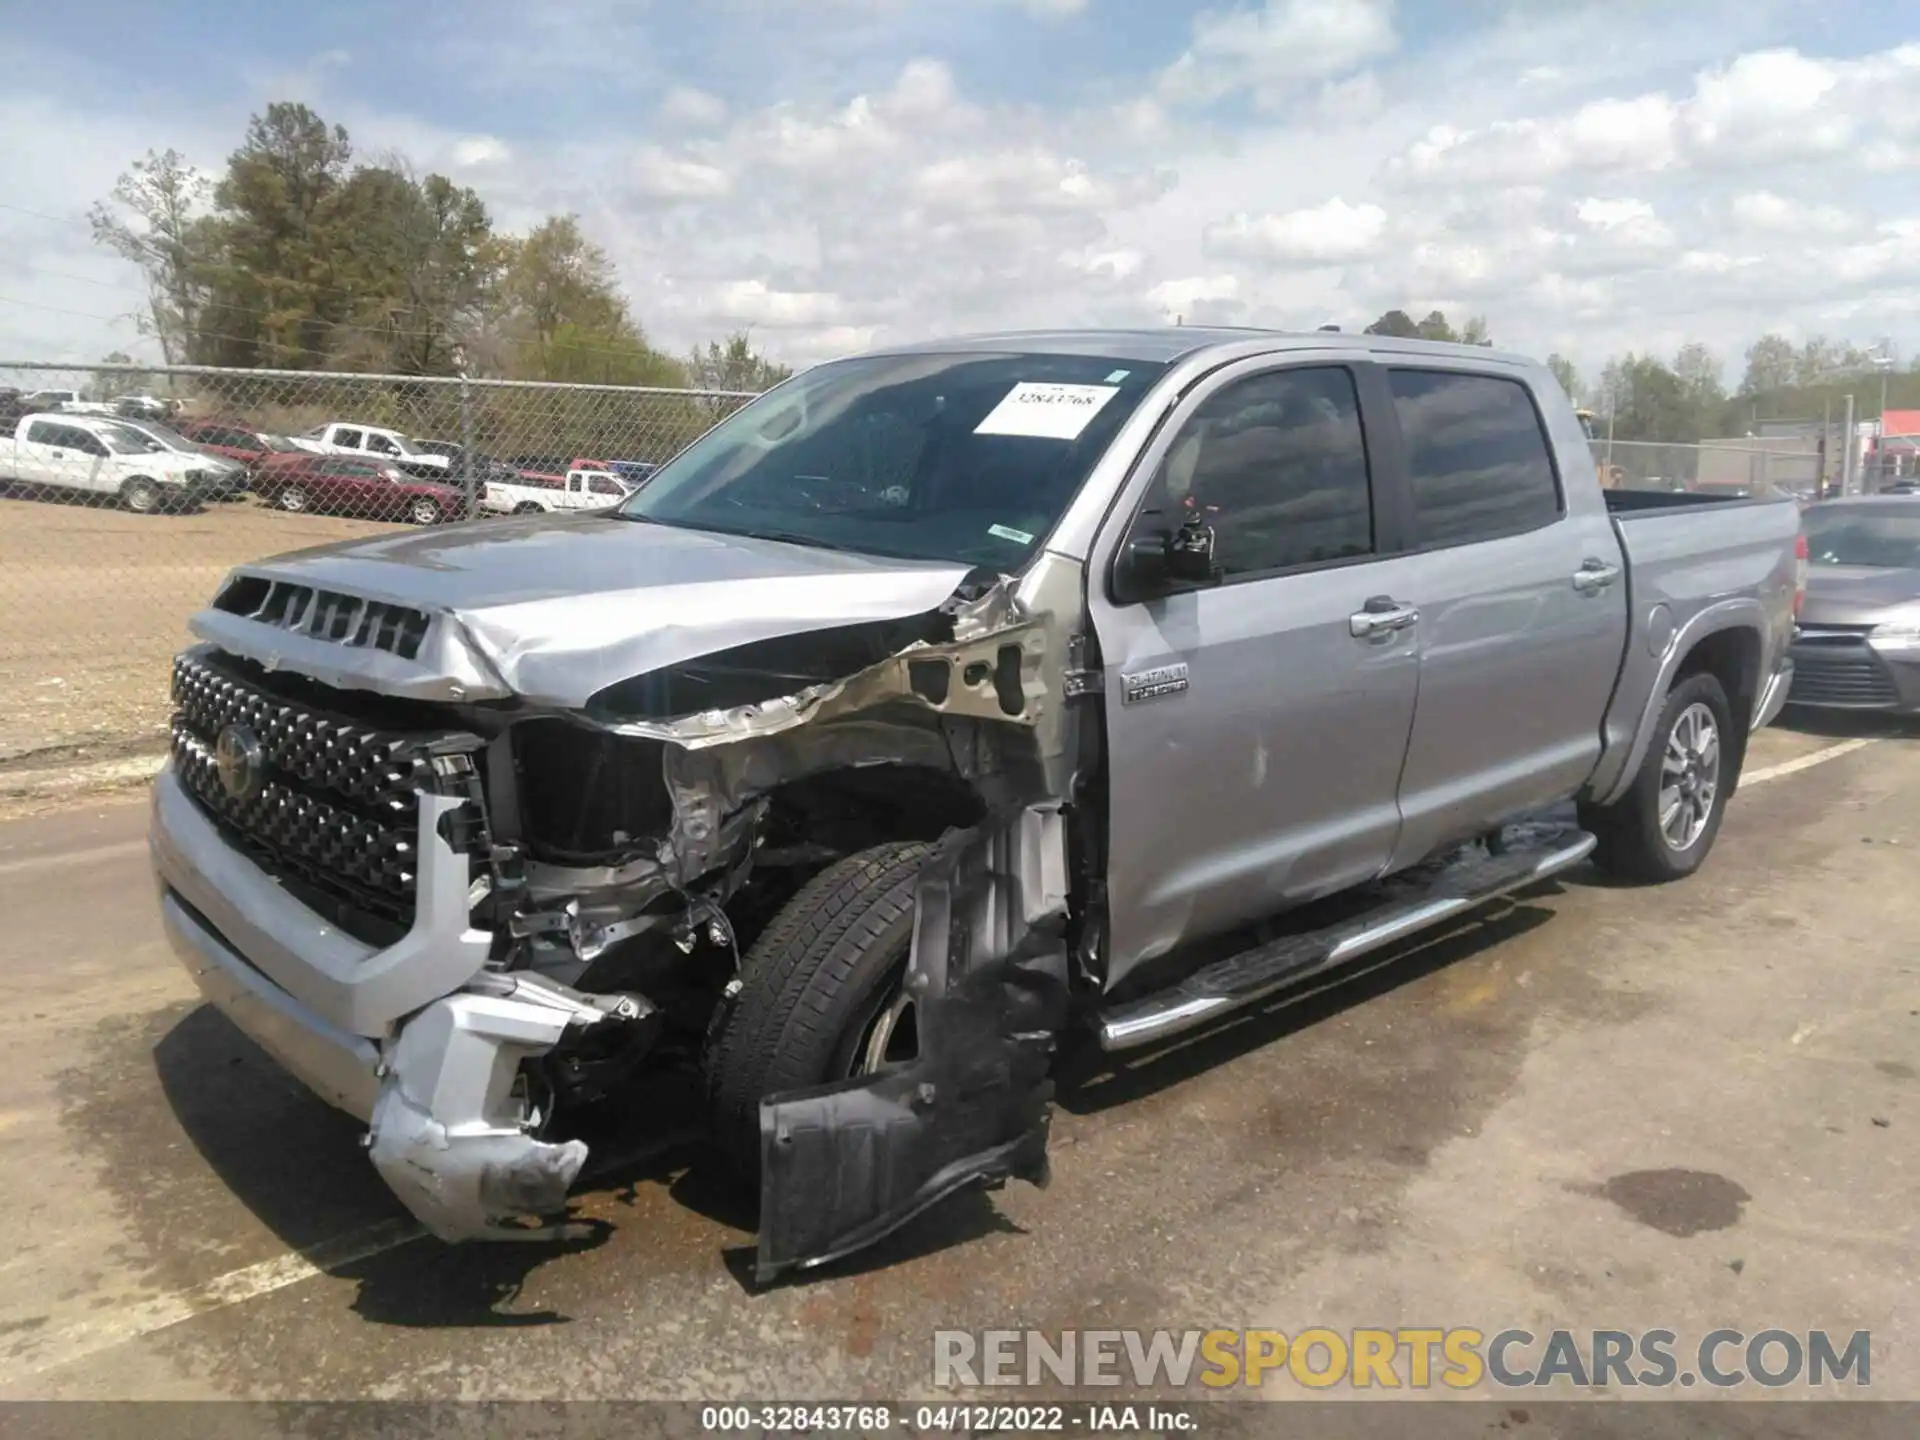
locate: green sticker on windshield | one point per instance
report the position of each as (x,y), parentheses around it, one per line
(1007,532)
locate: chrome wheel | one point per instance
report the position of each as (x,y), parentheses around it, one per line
(1689,777)
(425,512)
(891,1037)
(292,499)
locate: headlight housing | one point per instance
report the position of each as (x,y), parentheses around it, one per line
(1897,632)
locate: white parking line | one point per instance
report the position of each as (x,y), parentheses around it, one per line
(144,1317)
(1805,762)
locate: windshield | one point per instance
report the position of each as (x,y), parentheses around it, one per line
(126,440)
(1854,535)
(968,458)
(278,442)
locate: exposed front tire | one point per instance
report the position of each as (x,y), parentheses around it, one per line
(819,996)
(292,498)
(1665,824)
(141,496)
(527,507)
(424,512)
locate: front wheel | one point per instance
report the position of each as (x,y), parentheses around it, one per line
(140,496)
(292,498)
(425,512)
(820,996)
(1665,824)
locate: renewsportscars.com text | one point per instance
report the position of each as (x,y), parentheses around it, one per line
(1403,1358)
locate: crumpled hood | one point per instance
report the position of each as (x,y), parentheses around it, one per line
(559,607)
(1857,594)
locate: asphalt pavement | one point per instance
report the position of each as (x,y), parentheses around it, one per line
(1594,1106)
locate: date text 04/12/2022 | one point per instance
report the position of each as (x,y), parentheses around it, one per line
(950,1419)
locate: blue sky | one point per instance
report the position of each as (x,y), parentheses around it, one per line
(1592,175)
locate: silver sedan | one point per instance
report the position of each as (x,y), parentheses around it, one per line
(1857,646)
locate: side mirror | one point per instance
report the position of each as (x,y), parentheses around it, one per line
(1156,561)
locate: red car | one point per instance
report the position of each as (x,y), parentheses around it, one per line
(364,489)
(235,440)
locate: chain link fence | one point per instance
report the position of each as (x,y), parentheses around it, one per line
(127,493)
(1727,467)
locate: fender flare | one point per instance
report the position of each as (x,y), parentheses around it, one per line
(1743,613)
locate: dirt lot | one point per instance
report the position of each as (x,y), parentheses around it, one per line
(94,602)
(1691,1106)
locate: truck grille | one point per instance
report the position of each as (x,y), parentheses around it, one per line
(1840,675)
(326,614)
(333,805)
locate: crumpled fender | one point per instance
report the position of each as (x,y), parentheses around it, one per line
(846,1164)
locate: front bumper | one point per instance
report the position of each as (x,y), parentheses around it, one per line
(1837,670)
(418,1038)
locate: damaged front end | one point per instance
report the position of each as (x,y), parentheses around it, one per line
(587,863)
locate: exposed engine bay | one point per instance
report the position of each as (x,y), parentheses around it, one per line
(621,857)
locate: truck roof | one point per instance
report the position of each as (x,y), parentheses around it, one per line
(1170,343)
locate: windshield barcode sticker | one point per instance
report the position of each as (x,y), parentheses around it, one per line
(1007,532)
(1046,412)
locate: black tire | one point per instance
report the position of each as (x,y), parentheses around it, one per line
(527,507)
(292,498)
(140,495)
(810,990)
(1633,843)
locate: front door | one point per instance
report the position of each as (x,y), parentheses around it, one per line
(1522,600)
(1255,725)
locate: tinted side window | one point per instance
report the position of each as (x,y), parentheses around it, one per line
(380,445)
(43,432)
(350,438)
(1477,457)
(1277,465)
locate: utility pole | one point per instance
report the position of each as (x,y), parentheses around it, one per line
(1846,460)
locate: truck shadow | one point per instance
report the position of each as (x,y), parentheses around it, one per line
(1848,724)
(1091,1081)
(297,1164)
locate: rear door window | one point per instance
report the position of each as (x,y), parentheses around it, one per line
(1478,460)
(352,439)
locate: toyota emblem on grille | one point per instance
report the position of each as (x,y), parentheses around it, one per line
(239,762)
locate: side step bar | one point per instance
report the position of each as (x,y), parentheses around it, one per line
(1412,904)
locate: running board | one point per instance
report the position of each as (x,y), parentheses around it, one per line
(1414,905)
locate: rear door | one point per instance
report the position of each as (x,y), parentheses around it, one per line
(348,440)
(1256,726)
(1522,601)
(35,452)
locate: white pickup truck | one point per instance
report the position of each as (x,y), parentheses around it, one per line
(337,438)
(577,490)
(104,457)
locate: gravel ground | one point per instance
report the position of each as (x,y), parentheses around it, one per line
(93,604)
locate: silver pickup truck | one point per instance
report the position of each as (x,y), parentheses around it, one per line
(941,702)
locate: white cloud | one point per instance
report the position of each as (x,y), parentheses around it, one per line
(1271,51)
(473,151)
(693,109)
(1632,222)
(1052,9)
(754,302)
(1328,234)
(1194,296)
(1772,214)
(664,176)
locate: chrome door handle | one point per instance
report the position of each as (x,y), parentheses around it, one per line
(1381,617)
(1595,575)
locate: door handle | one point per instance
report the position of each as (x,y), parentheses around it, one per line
(1381,616)
(1594,576)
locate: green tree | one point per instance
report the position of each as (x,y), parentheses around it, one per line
(733,366)
(1475,331)
(1396,323)
(1568,377)
(1647,401)
(1770,365)
(279,290)
(1699,372)
(155,217)
(1435,327)
(422,270)
(565,317)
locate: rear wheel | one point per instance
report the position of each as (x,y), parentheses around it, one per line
(425,512)
(526,507)
(291,498)
(141,496)
(1665,824)
(820,997)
